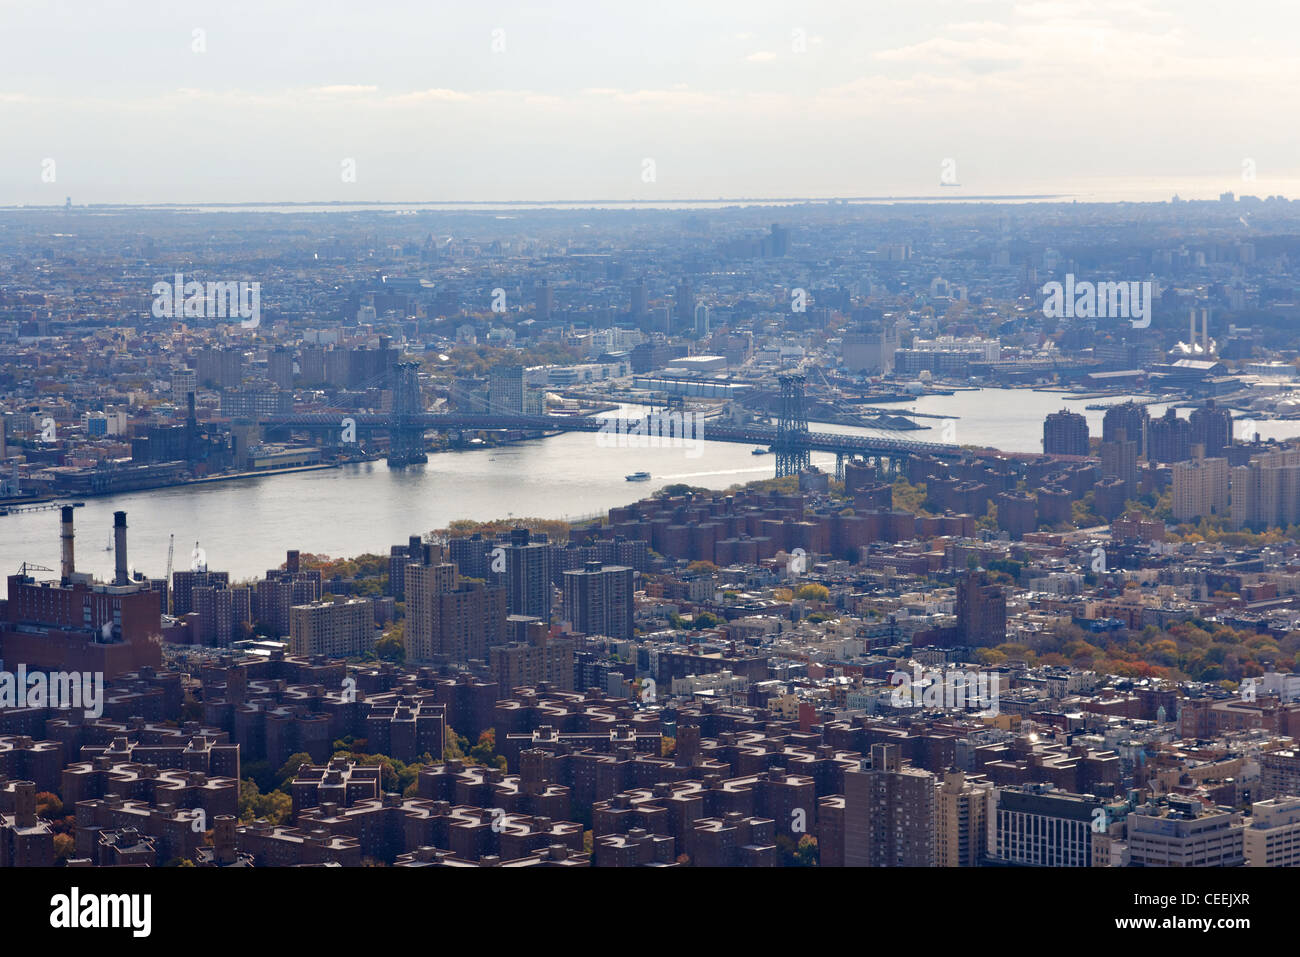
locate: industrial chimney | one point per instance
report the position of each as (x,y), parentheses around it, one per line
(68,567)
(119,547)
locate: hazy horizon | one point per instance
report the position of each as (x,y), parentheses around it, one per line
(503,102)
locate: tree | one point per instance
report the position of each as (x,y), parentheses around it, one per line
(289,770)
(454,746)
(391,646)
(813,592)
(485,752)
(64,846)
(48,805)
(276,807)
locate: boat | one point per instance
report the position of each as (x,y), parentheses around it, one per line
(759,451)
(638,477)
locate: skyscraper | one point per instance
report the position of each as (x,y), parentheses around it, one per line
(981,610)
(889,813)
(684,304)
(506,390)
(448,618)
(1129,418)
(1169,438)
(701,321)
(1119,460)
(544,298)
(1211,427)
(1065,433)
(528,575)
(598,600)
(963,809)
(640,302)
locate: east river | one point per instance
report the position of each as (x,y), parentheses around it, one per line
(245,526)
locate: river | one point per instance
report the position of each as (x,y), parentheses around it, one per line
(245,526)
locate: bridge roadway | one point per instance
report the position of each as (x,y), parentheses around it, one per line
(708,431)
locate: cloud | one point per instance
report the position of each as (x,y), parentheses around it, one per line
(344,90)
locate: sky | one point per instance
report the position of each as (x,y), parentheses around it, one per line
(144,101)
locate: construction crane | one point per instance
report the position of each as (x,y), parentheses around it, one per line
(32,567)
(171,548)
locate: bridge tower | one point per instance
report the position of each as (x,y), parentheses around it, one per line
(791,443)
(405,442)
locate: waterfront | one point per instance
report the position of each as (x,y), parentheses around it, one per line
(245,526)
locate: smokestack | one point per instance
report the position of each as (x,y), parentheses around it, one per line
(65,535)
(119,547)
(1191,330)
(1205,331)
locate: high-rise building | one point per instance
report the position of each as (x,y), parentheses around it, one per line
(1266,493)
(701,321)
(184,381)
(544,299)
(1169,438)
(506,390)
(777,242)
(870,351)
(981,610)
(279,367)
(528,574)
(449,618)
(1211,427)
(219,368)
(963,809)
(640,302)
(399,556)
(339,629)
(1130,419)
(425,582)
(1065,433)
(536,655)
(1185,833)
(1273,833)
(598,600)
(889,813)
(1119,459)
(1036,825)
(684,304)
(1200,489)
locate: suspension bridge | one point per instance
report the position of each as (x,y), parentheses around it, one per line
(790,439)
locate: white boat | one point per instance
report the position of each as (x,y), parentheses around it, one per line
(638,477)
